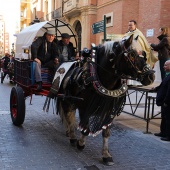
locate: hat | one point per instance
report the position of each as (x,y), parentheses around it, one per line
(51,32)
(65,35)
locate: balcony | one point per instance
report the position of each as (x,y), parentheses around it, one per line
(57,13)
(23,16)
(71,8)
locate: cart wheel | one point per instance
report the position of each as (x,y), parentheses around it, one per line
(2,75)
(17,106)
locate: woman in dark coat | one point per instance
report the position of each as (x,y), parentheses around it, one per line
(163,49)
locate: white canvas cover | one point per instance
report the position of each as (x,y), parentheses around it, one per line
(28,34)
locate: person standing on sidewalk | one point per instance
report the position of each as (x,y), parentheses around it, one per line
(163,100)
(163,49)
(138,36)
(140,40)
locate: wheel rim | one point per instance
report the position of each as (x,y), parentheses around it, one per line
(14,107)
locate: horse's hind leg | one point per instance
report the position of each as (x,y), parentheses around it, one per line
(69,123)
(107,158)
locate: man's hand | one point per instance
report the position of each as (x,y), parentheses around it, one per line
(37,60)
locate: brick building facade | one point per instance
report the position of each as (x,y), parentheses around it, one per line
(82,14)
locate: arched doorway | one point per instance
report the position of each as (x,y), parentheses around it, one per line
(78,30)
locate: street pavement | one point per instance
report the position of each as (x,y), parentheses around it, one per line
(40,143)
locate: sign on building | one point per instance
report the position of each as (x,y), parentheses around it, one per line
(149,32)
(98,27)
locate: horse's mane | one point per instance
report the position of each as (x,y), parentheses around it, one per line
(108,46)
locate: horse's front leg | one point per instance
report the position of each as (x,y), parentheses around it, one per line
(107,158)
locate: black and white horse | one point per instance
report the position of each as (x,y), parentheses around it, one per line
(97,90)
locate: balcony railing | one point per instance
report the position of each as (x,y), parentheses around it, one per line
(57,13)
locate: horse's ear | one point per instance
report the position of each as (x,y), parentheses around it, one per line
(136,37)
(144,54)
(128,42)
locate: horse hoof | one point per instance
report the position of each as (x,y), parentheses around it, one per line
(80,147)
(108,161)
(73,142)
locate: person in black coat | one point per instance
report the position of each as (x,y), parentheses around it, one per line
(66,50)
(6,60)
(163,49)
(44,53)
(163,100)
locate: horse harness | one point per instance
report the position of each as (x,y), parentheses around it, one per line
(130,57)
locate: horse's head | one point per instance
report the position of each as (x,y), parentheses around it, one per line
(131,62)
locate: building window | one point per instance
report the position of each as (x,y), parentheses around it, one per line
(35,12)
(109,19)
(78,30)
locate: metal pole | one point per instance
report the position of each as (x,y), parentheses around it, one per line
(104,28)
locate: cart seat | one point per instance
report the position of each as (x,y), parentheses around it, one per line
(24,73)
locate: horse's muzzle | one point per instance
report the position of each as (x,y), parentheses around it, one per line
(148,77)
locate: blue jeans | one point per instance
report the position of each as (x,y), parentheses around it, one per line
(37,72)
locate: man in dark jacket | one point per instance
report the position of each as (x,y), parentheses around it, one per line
(6,60)
(66,53)
(163,100)
(44,53)
(66,50)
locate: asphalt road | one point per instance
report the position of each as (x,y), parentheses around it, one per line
(40,143)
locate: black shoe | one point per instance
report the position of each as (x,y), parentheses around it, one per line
(39,87)
(2,79)
(166,139)
(159,134)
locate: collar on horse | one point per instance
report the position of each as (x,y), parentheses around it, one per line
(97,84)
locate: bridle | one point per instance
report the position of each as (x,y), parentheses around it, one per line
(130,57)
